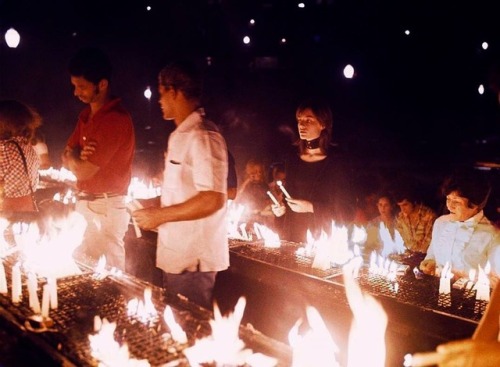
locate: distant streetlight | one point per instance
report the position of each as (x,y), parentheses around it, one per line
(301,5)
(246,40)
(148,8)
(283,40)
(481,89)
(484,45)
(12,38)
(349,71)
(252,21)
(147,93)
(407,32)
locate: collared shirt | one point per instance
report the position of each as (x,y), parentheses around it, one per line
(196,160)
(465,245)
(416,234)
(112,129)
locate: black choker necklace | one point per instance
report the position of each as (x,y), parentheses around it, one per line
(312,144)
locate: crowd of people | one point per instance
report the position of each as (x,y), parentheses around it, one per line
(305,190)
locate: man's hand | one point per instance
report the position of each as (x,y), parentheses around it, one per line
(469,353)
(149,218)
(278,210)
(88,149)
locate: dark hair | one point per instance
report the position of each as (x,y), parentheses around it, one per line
(182,76)
(469,184)
(17,119)
(92,64)
(320,108)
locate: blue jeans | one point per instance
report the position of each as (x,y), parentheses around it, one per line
(197,286)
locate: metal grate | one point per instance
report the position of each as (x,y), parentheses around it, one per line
(423,293)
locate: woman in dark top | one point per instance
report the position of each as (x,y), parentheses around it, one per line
(316,178)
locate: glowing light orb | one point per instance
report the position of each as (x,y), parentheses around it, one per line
(148,8)
(246,40)
(481,89)
(484,45)
(12,38)
(148,93)
(252,21)
(283,40)
(407,32)
(349,71)
(301,5)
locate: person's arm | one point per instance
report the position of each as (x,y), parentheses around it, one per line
(199,206)
(78,163)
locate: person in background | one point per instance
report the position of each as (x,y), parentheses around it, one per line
(464,237)
(316,178)
(191,217)
(253,194)
(386,220)
(41,149)
(414,221)
(19,162)
(100,152)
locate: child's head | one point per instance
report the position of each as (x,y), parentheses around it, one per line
(255,171)
(17,119)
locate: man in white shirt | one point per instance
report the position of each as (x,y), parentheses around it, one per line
(191,221)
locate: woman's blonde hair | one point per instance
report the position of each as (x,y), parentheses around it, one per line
(18,119)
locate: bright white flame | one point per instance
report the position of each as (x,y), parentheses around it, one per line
(148,93)
(139,189)
(484,45)
(271,239)
(316,347)
(144,311)
(234,214)
(367,334)
(349,71)
(62,236)
(390,245)
(358,235)
(61,175)
(175,329)
(445,279)
(224,347)
(482,285)
(12,38)
(108,351)
(333,249)
(480,89)
(246,40)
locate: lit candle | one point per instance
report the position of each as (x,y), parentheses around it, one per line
(445,279)
(16,283)
(273,198)
(32,292)
(45,301)
(3,279)
(282,188)
(52,283)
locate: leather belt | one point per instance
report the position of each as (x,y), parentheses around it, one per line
(91,196)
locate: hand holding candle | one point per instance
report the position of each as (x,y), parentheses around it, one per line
(282,188)
(273,198)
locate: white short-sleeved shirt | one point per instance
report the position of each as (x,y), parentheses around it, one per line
(465,244)
(196,160)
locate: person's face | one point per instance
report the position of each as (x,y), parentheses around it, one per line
(85,91)
(384,207)
(406,207)
(308,125)
(458,207)
(166,101)
(255,174)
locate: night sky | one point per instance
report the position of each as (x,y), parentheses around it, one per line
(414,99)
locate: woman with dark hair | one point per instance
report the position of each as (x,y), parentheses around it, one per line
(316,178)
(19,162)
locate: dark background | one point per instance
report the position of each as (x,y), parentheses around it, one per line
(413,104)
